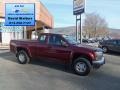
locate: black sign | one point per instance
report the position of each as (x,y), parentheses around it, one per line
(78,6)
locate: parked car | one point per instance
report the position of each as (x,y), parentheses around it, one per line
(92,40)
(110,45)
(59,48)
(85,41)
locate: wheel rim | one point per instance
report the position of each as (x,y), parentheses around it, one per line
(104,49)
(21,57)
(80,67)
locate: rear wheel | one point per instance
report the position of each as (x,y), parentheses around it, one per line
(23,57)
(82,66)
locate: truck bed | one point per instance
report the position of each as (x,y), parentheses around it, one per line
(20,43)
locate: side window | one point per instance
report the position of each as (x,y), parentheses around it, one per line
(112,42)
(118,42)
(108,42)
(42,39)
(55,40)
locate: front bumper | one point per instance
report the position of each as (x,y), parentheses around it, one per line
(98,63)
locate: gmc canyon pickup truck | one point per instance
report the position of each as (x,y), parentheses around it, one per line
(59,48)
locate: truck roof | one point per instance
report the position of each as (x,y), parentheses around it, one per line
(54,34)
(50,34)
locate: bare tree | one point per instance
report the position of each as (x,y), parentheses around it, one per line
(95,26)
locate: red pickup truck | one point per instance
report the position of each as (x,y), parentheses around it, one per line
(59,48)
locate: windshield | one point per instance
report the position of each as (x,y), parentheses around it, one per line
(70,39)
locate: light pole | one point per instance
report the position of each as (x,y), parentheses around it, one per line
(78,9)
(36,29)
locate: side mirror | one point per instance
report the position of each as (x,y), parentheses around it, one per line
(64,44)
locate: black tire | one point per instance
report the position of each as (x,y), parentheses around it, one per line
(23,57)
(85,63)
(105,49)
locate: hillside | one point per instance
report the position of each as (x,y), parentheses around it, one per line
(115,33)
(65,30)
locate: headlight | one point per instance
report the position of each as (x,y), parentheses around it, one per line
(99,55)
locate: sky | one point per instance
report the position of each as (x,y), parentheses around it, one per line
(62,11)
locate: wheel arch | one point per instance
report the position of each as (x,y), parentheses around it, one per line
(78,55)
(25,49)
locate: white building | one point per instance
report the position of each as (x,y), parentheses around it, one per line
(8,33)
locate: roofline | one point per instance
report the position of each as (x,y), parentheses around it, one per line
(46,8)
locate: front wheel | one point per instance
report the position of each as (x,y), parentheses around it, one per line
(82,66)
(105,49)
(23,57)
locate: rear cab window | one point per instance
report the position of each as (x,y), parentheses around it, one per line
(43,39)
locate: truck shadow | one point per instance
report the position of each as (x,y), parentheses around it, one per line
(40,62)
(50,64)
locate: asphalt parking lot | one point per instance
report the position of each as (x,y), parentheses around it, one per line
(39,75)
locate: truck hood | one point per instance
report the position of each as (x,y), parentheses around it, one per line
(89,47)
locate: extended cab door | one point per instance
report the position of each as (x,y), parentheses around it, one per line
(58,49)
(42,47)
